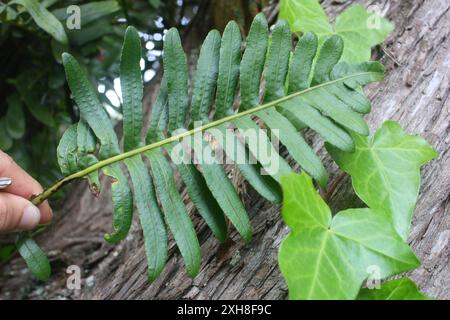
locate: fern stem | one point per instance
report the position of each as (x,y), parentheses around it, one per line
(82,173)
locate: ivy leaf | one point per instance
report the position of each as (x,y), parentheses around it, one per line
(360,29)
(385,171)
(398,289)
(329,258)
(305,15)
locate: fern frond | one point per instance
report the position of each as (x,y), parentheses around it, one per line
(305,88)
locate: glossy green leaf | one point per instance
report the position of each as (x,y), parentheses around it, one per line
(398,289)
(150,215)
(339,100)
(94,114)
(36,260)
(44,19)
(132,89)
(67,151)
(122,203)
(205,78)
(74,152)
(254,56)
(327,257)
(175,212)
(86,146)
(160,115)
(229,64)
(329,54)
(385,171)
(91,109)
(222,189)
(175,71)
(305,15)
(278,61)
(196,186)
(271,161)
(359,28)
(248,166)
(252,64)
(200,194)
(302,62)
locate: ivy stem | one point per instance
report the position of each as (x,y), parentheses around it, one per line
(334,184)
(38,199)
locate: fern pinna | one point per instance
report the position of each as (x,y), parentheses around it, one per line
(308,87)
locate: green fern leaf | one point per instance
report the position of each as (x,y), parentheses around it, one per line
(327,98)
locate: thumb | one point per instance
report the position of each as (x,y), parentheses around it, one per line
(17,213)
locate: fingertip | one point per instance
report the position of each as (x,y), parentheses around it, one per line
(30,218)
(46,213)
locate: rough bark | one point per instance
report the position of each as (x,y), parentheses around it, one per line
(415,93)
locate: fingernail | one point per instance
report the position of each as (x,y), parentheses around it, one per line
(5,182)
(30,218)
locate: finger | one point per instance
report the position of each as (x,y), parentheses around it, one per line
(22,184)
(17,213)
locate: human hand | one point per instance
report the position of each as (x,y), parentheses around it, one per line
(17,213)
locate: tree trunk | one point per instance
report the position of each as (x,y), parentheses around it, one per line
(415,93)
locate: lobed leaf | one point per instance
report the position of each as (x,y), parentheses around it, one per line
(329,258)
(360,28)
(385,171)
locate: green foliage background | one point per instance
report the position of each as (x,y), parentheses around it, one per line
(35,108)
